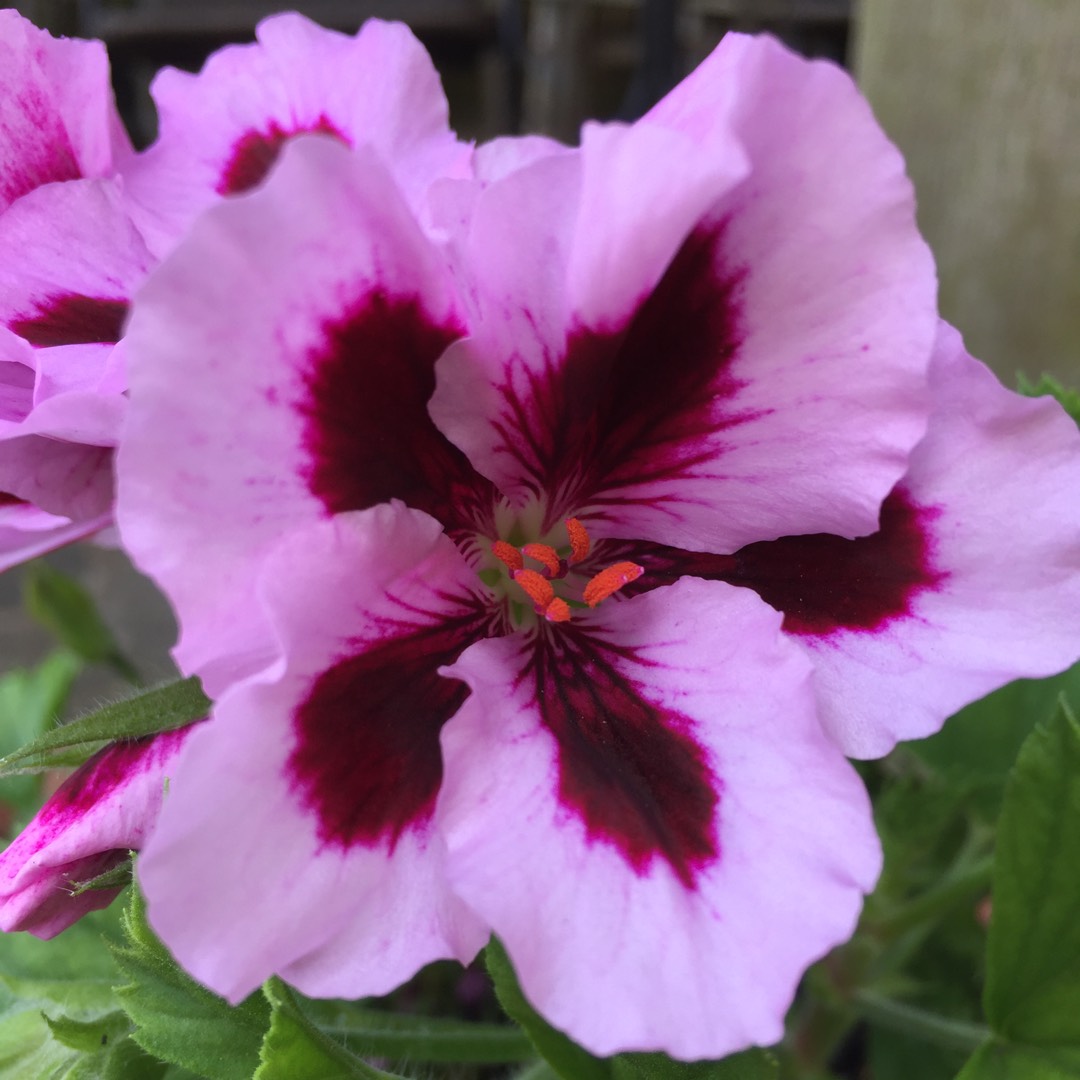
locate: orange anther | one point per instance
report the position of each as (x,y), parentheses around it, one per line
(544,554)
(557,611)
(540,592)
(537,587)
(610,581)
(579,540)
(507,554)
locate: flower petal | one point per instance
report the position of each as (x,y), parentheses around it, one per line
(582,253)
(334,753)
(27,532)
(61,478)
(973,580)
(378,88)
(58,120)
(281,361)
(104,810)
(734,365)
(647,813)
(70,259)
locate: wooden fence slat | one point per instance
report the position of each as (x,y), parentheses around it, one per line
(984,100)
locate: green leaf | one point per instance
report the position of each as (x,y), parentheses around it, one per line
(377,1033)
(568,1059)
(175,1018)
(116,878)
(63,606)
(89,1036)
(79,955)
(749,1065)
(1033,953)
(129,1061)
(893,1056)
(295,1049)
(538,1070)
(1068,399)
(977,748)
(1001,1061)
(163,708)
(30,702)
(67,1031)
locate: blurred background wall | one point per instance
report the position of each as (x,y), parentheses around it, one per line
(983,97)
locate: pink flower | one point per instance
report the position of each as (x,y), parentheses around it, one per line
(222,130)
(443,520)
(58,120)
(104,810)
(65,251)
(83,219)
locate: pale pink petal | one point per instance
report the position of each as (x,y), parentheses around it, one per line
(222,130)
(73,401)
(972,581)
(103,811)
(498,158)
(771,381)
(16,394)
(831,317)
(280,362)
(70,259)
(27,532)
(313,789)
(58,120)
(62,478)
(451,201)
(559,251)
(644,808)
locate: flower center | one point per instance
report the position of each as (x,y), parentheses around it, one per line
(553,565)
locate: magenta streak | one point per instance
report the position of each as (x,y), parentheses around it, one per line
(104,778)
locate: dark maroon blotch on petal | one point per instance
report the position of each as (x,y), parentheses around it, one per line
(629,769)
(255,153)
(7,499)
(822,583)
(638,402)
(71,319)
(368,435)
(367,760)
